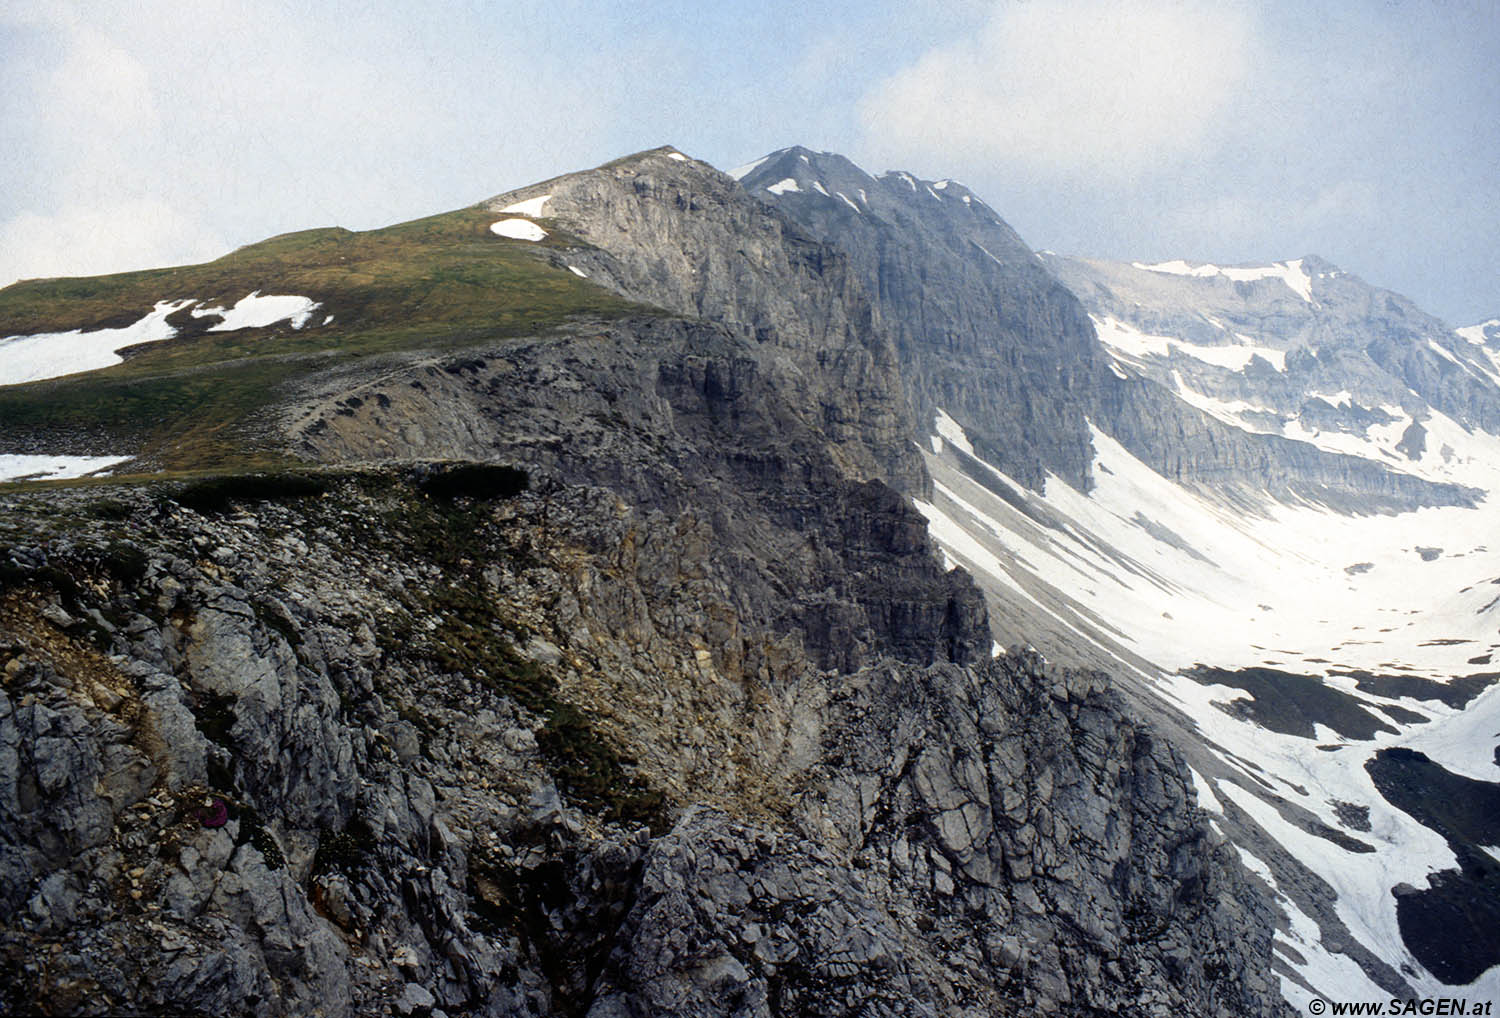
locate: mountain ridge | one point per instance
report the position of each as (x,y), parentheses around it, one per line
(665,701)
(716,625)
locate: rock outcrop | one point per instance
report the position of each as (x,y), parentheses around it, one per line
(674,233)
(371,749)
(984,332)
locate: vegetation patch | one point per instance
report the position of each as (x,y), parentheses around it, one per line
(344,851)
(593,772)
(253,831)
(218,494)
(215,716)
(471,639)
(124,561)
(481,481)
(112,510)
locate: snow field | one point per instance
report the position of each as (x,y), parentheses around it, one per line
(36,468)
(1187,579)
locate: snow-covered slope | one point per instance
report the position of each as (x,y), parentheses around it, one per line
(1299,349)
(1293,647)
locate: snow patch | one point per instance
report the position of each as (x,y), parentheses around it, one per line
(1129,340)
(786,185)
(952,431)
(1256,866)
(1290,273)
(849,203)
(1335,976)
(741,172)
(578,272)
(987,251)
(818,187)
(518,229)
(37,468)
(1226,410)
(1464,743)
(254,311)
(1448,356)
(54,354)
(530,207)
(1206,797)
(677,156)
(1475,333)
(1343,398)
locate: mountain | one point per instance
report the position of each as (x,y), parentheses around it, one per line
(981,327)
(1278,544)
(532,610)
(550,607)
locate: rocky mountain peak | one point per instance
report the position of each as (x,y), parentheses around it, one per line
(674,233)
(827,178)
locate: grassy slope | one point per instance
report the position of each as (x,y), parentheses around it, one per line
(443,281)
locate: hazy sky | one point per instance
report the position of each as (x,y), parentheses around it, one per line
(1367,131)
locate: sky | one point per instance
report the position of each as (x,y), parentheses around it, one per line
(1365,131)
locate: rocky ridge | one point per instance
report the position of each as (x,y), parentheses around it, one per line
(983,330)
(439,737)
(683,717)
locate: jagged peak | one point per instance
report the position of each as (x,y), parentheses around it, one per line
(798,170)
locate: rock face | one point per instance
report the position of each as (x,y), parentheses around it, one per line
(988,335)
(663,704)
(422,759)
(677,234)
(984,331)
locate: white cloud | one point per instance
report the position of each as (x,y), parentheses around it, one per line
(92,240)
(150,131)
(1281,224)
(1071,85)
